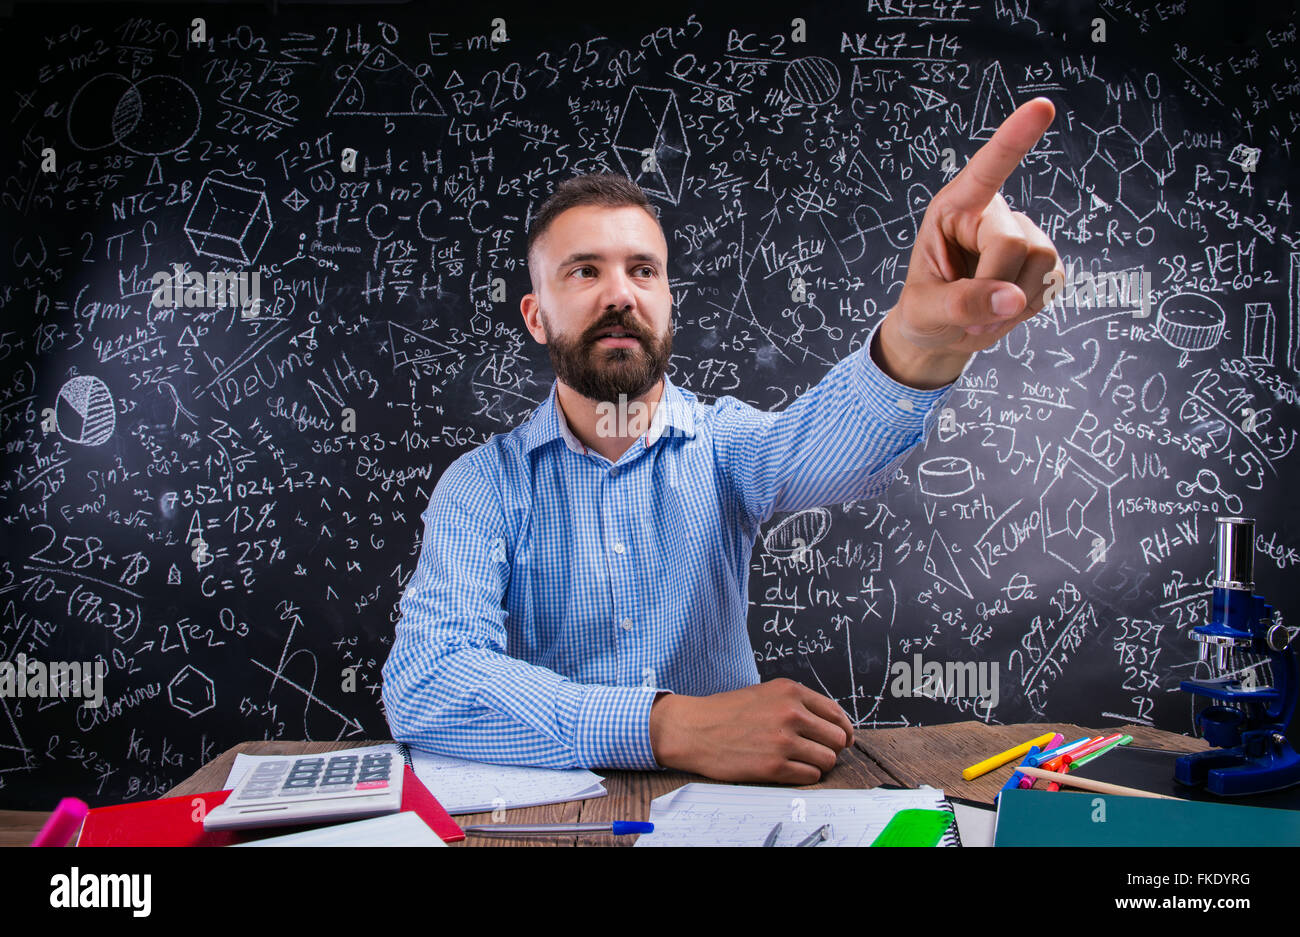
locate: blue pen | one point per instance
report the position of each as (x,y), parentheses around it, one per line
(1036,760)
(617,827)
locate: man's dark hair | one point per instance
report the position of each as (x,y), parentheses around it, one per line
(603,188)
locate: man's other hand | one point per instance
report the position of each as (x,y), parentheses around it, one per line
(779,731)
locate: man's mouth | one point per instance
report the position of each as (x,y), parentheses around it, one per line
(617,338)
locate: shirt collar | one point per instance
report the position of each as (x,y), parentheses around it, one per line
(675,416)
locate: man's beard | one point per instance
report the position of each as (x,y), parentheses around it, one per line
(602,374)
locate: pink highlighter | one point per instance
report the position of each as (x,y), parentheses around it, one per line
(65,821)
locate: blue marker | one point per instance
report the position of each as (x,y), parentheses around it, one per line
(1013,783)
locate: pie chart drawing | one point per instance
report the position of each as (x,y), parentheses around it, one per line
(85,412)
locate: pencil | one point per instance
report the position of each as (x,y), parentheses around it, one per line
(1087,784)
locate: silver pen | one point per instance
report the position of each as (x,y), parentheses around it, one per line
(814,838)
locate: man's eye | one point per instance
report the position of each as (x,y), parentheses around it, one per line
(580,269)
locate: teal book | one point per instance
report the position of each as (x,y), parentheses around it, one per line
(1061,818)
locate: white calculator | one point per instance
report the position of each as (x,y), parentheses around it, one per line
(347,785)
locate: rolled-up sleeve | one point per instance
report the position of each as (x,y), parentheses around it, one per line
(449,686)
(839,441)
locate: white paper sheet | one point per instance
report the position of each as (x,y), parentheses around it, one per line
(395,829)
(476,787)
(976,824)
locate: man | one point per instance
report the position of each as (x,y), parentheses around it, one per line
(581,591)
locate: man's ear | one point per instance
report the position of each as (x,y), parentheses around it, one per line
(530,307)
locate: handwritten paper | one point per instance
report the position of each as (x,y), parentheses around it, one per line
(731,815)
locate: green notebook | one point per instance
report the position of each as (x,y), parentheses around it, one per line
(913,827)
(1060,818)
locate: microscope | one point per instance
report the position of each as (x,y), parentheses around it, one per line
(1255,682)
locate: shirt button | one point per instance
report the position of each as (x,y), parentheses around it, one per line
(904,403)
(627,624)
(613,473)
(618,548)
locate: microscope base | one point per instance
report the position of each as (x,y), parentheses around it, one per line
(1231,773)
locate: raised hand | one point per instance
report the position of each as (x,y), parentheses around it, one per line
(977,268)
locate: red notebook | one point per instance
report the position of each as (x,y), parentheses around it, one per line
(177,821)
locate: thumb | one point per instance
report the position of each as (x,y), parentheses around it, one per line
(975,305)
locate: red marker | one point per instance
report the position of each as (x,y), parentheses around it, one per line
(1058,763)
(1069,757)
(1066,759)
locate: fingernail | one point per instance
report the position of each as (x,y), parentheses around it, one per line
(1006,302)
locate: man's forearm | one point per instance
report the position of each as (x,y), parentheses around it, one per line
(484,705)
(912,366)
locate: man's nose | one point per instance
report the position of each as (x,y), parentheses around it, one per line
(618,292)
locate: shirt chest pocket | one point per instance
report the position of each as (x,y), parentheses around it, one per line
(694,514)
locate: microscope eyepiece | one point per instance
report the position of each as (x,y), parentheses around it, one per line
(1234,553)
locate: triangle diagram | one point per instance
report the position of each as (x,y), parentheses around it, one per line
(940,564)
(382,85)
(929,98)
(410,346)
(864,172)
(993,103)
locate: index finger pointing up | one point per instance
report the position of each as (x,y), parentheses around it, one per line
(977,183)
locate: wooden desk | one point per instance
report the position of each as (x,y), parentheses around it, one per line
(933,755)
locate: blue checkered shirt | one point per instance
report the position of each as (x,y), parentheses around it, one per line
(558,592)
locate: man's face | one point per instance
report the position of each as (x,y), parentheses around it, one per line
(601,270)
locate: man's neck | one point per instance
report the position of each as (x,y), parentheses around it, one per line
(605,427)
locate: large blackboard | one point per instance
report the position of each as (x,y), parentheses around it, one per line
(223,508)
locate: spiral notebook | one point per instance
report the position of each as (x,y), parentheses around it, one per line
(739,815)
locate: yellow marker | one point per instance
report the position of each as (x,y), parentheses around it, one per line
(997,761)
